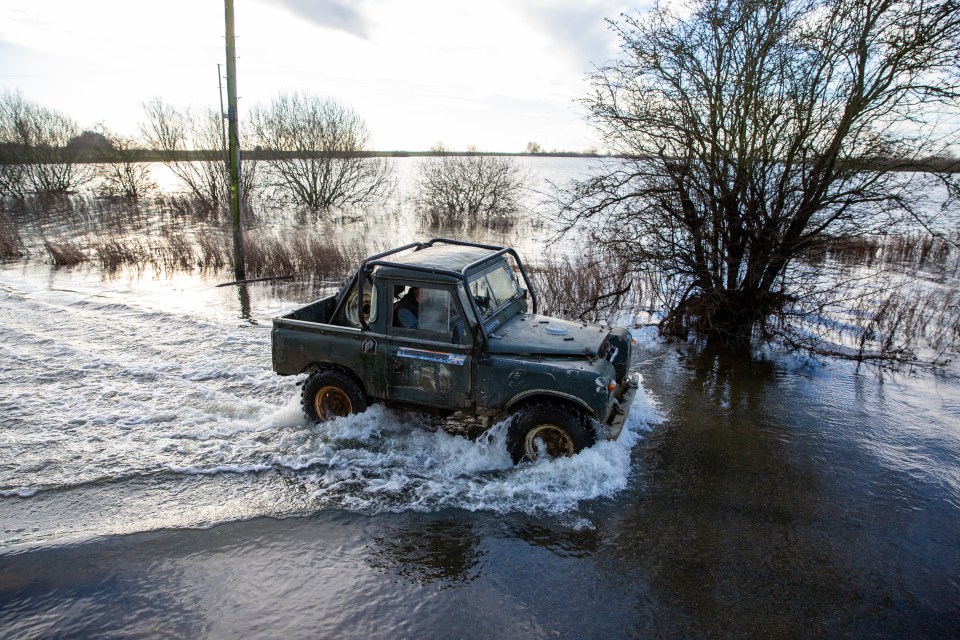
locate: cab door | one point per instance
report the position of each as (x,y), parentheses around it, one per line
(430,363)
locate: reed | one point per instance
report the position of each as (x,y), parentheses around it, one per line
(300,252)
(113,252)
(11,242)
(913,250)
(175,233)
(906,321)
(213,250)
(64,252)
(267,256)
(176,251)
(919,249)
(594,289)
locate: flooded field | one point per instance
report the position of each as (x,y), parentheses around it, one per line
(157,479)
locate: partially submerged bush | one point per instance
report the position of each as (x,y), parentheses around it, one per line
(122,174)
(176,133)
(11,242)
(302,252)
(64,252)
(472,190)
(593,289)
(319,156)
(38,156)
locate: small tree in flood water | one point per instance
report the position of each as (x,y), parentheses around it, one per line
(754,131)
(468,190)
(320,157)
(36,154)
(123,174)
(192,146)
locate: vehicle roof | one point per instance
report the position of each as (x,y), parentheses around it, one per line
(440,257)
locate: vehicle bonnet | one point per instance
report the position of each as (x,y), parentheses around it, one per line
(542,335)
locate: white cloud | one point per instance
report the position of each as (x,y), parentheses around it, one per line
(496,74)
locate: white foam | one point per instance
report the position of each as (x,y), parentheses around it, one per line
(380,461)
(165,397)
(20,492)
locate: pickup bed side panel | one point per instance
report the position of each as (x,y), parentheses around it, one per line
(319,311)
(299,346)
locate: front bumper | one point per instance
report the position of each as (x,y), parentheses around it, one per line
(617,415)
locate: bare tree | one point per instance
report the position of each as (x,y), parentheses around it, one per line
(319,152)
(123,174)
(13,135)
(37,156)
(757,130)
(192,146)
(469,190)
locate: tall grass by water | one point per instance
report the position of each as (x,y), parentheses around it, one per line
(171,234)
(11,242)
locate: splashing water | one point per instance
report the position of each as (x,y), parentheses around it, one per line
(122,413)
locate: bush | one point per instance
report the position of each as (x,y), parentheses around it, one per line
(469,191)
(64,253)
(11,242)
(319,156)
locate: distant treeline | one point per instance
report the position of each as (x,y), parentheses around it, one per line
(12,154)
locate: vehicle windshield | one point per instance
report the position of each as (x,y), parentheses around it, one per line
(495,288)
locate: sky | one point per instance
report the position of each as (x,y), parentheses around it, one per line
(494,74)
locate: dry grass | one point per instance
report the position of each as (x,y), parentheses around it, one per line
(296,253)
(64,252)
(301,252)
(213,250)
(584,288)
(177,251)
(171,234)
(909,320)
(11,242)
(921,250)
(267,256)
(917,249)
(115,252)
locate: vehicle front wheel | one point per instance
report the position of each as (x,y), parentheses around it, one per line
(330,393)
(547,429)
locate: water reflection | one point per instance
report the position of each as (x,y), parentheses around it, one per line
(758,501)
(244,296)
(449,552)
(562,541)
(445,553)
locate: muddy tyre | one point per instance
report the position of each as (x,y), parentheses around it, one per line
(330,393)
(555,429)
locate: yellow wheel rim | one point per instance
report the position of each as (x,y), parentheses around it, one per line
(556,441)
(331,402)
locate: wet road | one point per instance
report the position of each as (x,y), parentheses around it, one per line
(171,490)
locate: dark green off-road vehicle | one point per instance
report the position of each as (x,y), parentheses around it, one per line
(445,326)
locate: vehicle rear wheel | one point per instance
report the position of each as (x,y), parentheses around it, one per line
(547,429)
(330,393)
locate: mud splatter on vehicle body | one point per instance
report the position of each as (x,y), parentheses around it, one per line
(478,347)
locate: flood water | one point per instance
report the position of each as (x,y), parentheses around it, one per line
(158,480)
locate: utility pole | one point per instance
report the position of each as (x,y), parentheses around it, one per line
(223,116)
(234,134)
